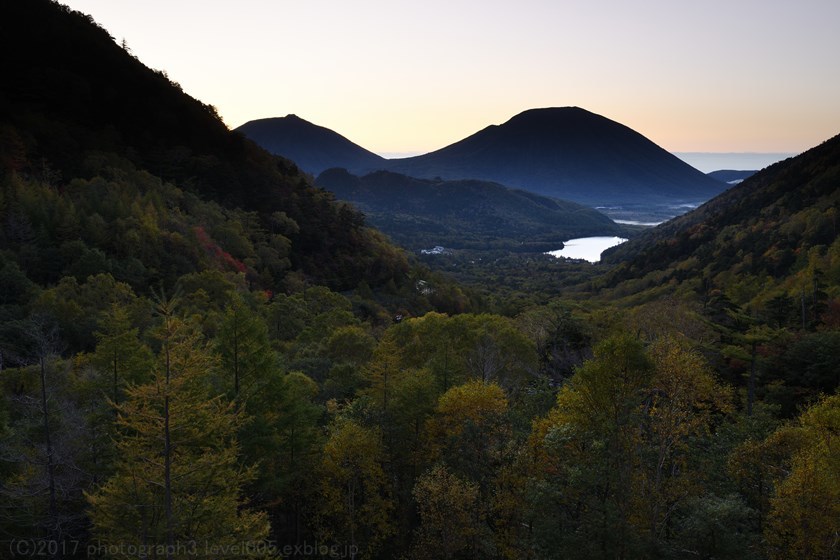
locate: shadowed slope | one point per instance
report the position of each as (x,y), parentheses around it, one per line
(465,213)
(313,148)
(567,153)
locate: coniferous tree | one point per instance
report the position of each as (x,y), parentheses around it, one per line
(284,437)
(451,518)
(246,355)
(355,505)
(178,482)
(119,352)
(44,447)
(617,456)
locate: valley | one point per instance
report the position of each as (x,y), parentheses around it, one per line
(564,154)
(464,214)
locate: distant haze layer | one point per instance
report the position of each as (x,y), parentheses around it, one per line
(704,161)
(714,161)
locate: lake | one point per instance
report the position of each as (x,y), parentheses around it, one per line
(587,248)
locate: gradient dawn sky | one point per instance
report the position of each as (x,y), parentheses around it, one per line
(410,77)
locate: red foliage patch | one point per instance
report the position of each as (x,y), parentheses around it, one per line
(220,255)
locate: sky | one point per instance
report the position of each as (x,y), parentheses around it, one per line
(399,77)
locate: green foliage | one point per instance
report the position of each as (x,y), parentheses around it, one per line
(469,430)
(805,507)
(120,355)
(617,455)
(351,344)
(463,347)
(15,287)
(355,497)
(318,379)
(77,307)
(561,338)
(711,526)
(465,214)
(177,478)
(507,283)
(247,359)
(813,361)
(48,447)
(770,233)
(296,418)
(414,397)
(284,437)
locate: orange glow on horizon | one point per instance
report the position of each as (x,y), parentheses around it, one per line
(715,76)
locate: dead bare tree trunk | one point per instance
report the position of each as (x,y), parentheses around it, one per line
(48,443)
(46,346)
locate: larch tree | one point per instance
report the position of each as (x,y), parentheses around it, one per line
(451,519)
(380,375)
(585,455)
(43,446)
(356,504)
(245,350)
(804,512)
(177,484)
(470,432)
(119,352)
(617,456)
(679,409)
(284,435)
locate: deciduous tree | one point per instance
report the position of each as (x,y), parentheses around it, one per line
(802,522)
(355,504)
(451,519)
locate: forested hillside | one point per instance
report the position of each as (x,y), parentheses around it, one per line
(774,234)
(80,107)
(203,355)
(422,213)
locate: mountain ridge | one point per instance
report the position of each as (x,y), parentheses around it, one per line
(757,238)
(64,117)
(465,213)
(312,147)
(562,152)
(569,153)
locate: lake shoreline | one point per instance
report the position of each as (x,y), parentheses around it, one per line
(586,248)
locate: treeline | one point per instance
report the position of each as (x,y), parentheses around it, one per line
(465,214)
(212,415)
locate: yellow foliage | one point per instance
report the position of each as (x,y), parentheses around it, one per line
(474,401)
(805,511)
(450,516)
(355,503)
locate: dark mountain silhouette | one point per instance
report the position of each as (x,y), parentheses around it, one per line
(313,148)
(567,153)
(760,232)
(75,104)
(465,213)
(730,176)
